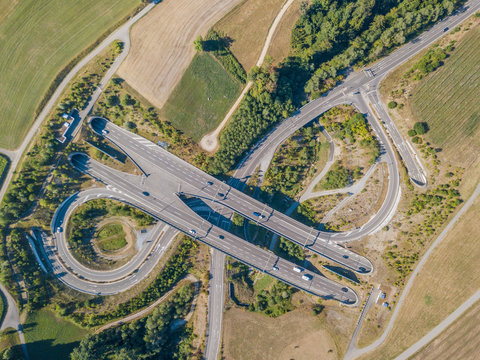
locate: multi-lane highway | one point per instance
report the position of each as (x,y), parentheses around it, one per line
(163,167)
(168,207)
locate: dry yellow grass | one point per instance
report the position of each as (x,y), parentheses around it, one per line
(450,276)
(280,46)
(458,341)
(247,25)
(162,44)
(296,335)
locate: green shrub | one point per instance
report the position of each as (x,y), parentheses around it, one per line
(412,133)
(392,104)
(420,128)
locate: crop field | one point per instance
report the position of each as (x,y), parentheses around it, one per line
(3,167)
(162,44)
(458,341)
(449,277)
(202,98)
(37,40)
(247,25)
(448,101)
(49,337)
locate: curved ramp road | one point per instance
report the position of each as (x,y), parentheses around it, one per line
(163,167)
(167,206)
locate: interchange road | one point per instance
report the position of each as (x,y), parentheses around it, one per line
(167,207)
(163,167)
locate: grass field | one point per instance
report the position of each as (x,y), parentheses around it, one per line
(458,341)
(49,337)
(202,97)
(9,340)
(3,308)
(37,40)
(449,277)
(448,102)
(296,335)
(247,25)
(162,44)
(111,237)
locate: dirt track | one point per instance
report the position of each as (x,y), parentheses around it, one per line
(162,44)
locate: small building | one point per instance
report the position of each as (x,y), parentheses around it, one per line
(63,132)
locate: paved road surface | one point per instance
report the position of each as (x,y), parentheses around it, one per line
(12,318)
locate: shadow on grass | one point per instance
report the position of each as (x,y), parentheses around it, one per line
(46,350)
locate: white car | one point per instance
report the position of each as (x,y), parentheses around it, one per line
(297,269)
(275,268)
(193,232)
(307,277)
(59,229)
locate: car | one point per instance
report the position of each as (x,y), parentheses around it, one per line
(275,268)
(221,237)
(297,269)
(307,277)
(221,194)
(59,229)
(209,182)
(262,216)
(256,213)
(344,289)
(193,232)
(446,29)
(146,193)
(104,132)
(345,256)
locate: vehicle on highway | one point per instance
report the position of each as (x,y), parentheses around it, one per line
(297,269)
(221,237)
(275,268)
(257,214)
(146,193)
(446,29)
(307,277)
(193,232)
(209,182)
(104,132)
(59,229)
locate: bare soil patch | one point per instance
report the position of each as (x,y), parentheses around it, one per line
(162,44)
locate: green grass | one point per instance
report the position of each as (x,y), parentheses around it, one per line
(453,124)
(3,167)
(263,283)
(2,308)
(9,340)
(111,237)
(37,40)
(49,337)
(202,97)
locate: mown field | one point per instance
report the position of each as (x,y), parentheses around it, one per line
(37,40)
(49,337)
(449,277)
(247,25)
(448,101)
(202,97)
(458,341)
(111,237)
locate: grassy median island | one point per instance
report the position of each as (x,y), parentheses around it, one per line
(3,167)
(111,237)
(202,97)
(37,40)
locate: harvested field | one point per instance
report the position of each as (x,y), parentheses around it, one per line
(37,40)
(280,46)
(162,44)
(458,341)
(247,25)
(449,277)
(297,335)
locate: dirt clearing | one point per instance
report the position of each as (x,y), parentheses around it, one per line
(162,44)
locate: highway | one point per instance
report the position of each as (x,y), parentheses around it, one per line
(163,167)
(167,207)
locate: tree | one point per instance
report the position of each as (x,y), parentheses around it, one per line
(112,100)
(198,43)
(392,104)
(420,128)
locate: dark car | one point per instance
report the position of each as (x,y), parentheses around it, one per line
(146,193)
(446,29)
(209,182)
(221,237)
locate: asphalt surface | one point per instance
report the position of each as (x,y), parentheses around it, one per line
(165,205)
(181,177)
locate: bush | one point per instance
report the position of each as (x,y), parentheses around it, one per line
(412,133)
(417,140)
(392,104)
(420,128)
